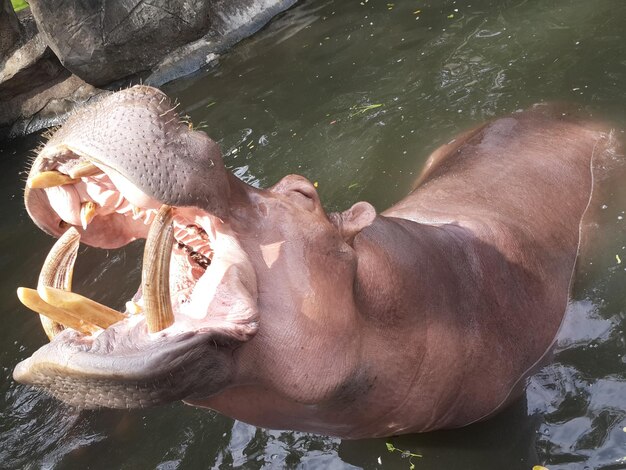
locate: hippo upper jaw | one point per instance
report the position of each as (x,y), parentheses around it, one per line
(130,144)
(207,284)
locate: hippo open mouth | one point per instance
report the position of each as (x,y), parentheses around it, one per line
(106,186)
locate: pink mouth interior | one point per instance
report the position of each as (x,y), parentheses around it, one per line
(193,229)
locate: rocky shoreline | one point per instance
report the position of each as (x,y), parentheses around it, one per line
(59,53)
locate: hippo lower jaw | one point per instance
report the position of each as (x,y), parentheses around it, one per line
(209,290)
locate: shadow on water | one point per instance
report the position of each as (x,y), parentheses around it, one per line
(355,95)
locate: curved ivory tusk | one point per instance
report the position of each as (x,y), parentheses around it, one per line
(55,316)
(57,272)
(155,274)
(49,179)
(81,307)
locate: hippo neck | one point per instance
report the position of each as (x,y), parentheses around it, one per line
(415,288)
(437,290)
(398,256)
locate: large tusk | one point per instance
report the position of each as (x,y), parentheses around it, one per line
(57,272)
(58,267)
(81,307)
(54,316)
(84,169)
(48,179)
(155,276)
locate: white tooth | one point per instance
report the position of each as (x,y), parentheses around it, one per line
(149,216)
(133,307)
(87,213)
(84,169)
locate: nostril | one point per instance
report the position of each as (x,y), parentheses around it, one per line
(303,197)
(298,189)
(306,192)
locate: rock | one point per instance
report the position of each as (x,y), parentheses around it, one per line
(70,46)
(35,89)
(235,21)
(106,41)
(45,106)
(10,32)
(27,67)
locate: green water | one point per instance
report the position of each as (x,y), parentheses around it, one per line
(354,95)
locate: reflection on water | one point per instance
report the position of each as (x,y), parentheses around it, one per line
(354,95)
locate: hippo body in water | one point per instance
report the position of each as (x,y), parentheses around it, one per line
(356,324)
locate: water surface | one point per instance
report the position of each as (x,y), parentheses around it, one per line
(354,95)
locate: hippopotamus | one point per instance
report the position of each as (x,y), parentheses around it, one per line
(259,304)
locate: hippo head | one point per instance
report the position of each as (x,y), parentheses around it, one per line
(238,283)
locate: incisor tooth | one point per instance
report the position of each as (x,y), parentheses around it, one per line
(49,179)
(31,299)
(83,169)
(81,307)
(87,213)
(155,276)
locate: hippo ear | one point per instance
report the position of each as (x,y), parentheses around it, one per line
(351,222)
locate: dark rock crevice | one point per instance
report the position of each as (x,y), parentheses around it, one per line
(10,29)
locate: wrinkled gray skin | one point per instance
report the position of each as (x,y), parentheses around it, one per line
(429,315)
